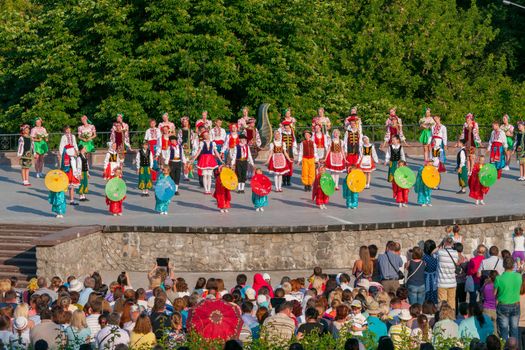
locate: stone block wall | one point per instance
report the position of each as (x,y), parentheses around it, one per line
(245,251)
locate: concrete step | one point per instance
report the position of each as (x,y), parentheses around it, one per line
(24,233)
(18,261)
(28,254)
(24,270)
(17,239)
(16,246)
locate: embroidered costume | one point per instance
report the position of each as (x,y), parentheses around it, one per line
(400,194)
(477,190)
(162,206)
(497,147)
(424,193)
(427,124)
(144,161)
(318,196)
(84,133)
(58,202)
(288,138)
(241,158)
(335,159)
(115,207)
(207,159)
(393,155)
(25,151)
(368,158)
(322,143)
(152,137)
(221,193)
(176,161)
(352,141)
(121,139)
(278,164)
(461,168)
(439,142)
(39,135)
(308,158)
(83,189)
(470,134)
(351,198)
(112,161)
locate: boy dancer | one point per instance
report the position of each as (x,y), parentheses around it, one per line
(461,167)
(144,163)
(394,154)
(241,157)
(25,152)
(176,161)
(111,162)
(288,137)
(84,175)
(308,158)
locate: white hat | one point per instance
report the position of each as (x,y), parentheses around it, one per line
(20,323)
(405,315)
(250,293)
(266,277)
(75,285)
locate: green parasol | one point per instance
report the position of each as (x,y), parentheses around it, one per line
(404,177)
(327,184)
(488,175)
(116,189)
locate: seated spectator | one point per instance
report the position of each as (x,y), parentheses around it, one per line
(477,325)
(446,327)
(47,330)
(142,334)
(400,331)
(78,332)
(376,327)
(422,333)
(312,324)
(279,328)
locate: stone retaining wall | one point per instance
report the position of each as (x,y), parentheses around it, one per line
(215,252)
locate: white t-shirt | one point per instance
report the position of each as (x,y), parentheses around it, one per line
(358,320)
(492,263)
(519,243)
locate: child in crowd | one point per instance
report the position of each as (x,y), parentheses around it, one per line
(162,206)
(144,163)
(461,167)
(25,153)
(259,202)
(351,198)
(424,193)
(111,162)
(83,189)
(115,207)
(221,194)
(477,190)
(519,244)
(58,203)
(456,236)
(400,194)
(318,196)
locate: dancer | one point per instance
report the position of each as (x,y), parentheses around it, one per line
(322,120)
(353,141)
(152,137)
(519,148)
(115,207)
(83,164)
(259,202)
(461,167)
(318,196)
(86,134)
(497,147)
(207,155)
(166,122)
(470,134)
(190,143)
(400,194)
(427,124)
(68,139)
(205,121)
(232,140)
(242,123)
(322,142)
(58,203)
(286,116)
(176,161)
(508,129)
(241,158)
(218,135)
(221,193)
(144,161)
(308,158)
(164,150)
(120,120)
(439,144)
(394,154)
(40,138)
(120,137)
(335,158)
(112,161)
(25,153)
(424,193)
(367,159)
(162,207)
(288,137)
(351,198)
(394,127)
(353,116)
(70,164)
(253,137)
(277,160)
(477,190)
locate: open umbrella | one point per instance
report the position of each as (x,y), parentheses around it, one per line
(116,189)
(215,319)
(261,185)
(404,177)
(488,175)
(229,178)
(165,189)
(327,184)
(56,181)
(356,180)
(430,176)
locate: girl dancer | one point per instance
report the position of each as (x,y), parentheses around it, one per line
(277,160)
(39,135)
(368,159)
(207,155)
(426,123)
(25,153)
(335,159)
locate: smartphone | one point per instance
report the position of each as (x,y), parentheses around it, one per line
(164,263)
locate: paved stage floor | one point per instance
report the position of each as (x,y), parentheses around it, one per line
(28,205)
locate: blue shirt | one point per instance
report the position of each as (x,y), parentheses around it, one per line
(84,296)
(376,328)
(389,270)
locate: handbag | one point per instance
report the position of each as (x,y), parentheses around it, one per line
(459,268)
(469,284)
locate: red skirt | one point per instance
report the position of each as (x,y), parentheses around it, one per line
(73,181)
(278,164)
(207,162)
(115,207)
(477,190)
(400,194)
(320,197)
(351,159)
(335,162)
(222,195)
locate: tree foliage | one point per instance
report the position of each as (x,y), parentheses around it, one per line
(60,59)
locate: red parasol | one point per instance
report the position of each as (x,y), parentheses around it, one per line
(261,185)
(215,319)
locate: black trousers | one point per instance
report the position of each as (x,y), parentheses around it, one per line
(241,168)
(175,172)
